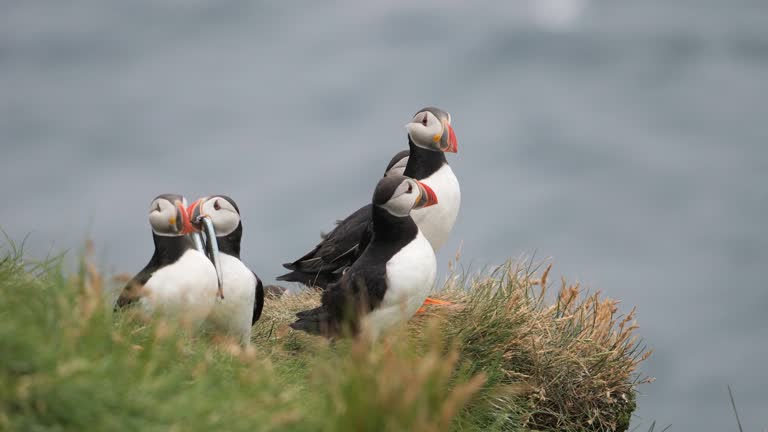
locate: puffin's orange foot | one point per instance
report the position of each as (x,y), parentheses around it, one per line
(431,301)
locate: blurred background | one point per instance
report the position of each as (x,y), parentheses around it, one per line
(625,139)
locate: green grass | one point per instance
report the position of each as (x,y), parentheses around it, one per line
(502,358)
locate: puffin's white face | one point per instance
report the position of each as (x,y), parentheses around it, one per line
(410,194)
(425,129)
(223,215)
(431,132)
(167,215)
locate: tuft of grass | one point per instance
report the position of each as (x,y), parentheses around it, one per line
(502,358)
(568,364)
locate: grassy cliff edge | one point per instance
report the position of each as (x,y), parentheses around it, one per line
(507,356)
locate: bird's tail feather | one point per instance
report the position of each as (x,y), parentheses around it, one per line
(317,280)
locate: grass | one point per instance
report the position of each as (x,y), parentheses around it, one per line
(507,357)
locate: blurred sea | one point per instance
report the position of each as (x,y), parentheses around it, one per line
(626,139)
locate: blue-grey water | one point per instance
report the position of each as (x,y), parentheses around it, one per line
(626,139)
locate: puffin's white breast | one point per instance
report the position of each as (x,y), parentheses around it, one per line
(185,289)
(234,313)
(436,222)
(410,276)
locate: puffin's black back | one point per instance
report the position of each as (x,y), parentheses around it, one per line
(396,158)
(168,250)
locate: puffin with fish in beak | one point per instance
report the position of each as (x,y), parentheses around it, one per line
(241,295)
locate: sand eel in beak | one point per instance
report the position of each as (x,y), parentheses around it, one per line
(241,293)
(430,136)
(388,283)
(178,281)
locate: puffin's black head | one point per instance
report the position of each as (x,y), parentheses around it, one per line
(397,164)
(168,215)
(399,195)
(431,129)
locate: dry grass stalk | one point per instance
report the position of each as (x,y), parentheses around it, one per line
(579,354)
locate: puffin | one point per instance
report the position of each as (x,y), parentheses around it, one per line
(179,280)
(388,283)
(241,298)
(430,136)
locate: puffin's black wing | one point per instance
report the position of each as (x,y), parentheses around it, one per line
(167,251)
(132,290)
(258,304)
(338,249)
(359,291)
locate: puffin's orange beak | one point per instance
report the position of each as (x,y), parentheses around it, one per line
(452,143)
(193,213)
(186,224)
(427,196)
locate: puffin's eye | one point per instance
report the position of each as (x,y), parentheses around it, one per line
(425,119)
(157,209)
(410,188)
(216,205)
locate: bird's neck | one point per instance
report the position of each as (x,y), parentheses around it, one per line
(169,249)
(422,163)
(230,243)
(388,227)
